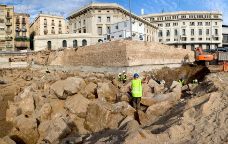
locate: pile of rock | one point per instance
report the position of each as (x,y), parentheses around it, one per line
(53,108)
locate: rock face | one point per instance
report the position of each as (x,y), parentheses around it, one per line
(57,129)
(26,129)
(99,116)
(70,86)
(107,91)
(77,104)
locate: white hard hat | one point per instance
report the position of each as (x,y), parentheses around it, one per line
(124,71)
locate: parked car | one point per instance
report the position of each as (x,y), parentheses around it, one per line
(222,49)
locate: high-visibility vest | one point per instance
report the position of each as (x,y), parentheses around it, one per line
(181,82)
(136,88)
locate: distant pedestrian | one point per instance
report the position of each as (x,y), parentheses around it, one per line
(136,91)
(122,77)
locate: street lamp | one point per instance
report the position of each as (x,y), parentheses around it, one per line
(130,20)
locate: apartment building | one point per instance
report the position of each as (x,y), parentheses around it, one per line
(6,28)
(122,30)
(97,18)
(188,29)
(225,35)
(22,26)
(45,24)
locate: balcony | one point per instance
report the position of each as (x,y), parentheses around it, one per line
(8,16)
(23,22)
(17,22)
(8,23)
(17,29)
(9,31)
(52,31)
(8,38)
(22,44)
(24,30)
(45,31)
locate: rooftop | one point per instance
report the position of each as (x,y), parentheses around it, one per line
(182,12)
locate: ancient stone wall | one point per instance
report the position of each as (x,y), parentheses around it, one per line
(121,54)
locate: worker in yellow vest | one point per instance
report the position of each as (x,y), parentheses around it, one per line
(136,91)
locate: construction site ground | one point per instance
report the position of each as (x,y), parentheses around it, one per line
(200,115)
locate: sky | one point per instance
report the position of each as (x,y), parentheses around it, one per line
(65,7)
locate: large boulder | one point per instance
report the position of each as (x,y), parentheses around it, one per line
(158,109)
(124,108)
(26,129)
(100,116)
(7,140)
(27,105)
(12,112)
(77,104)
(90,91)
(107,91)
(70,86)
(148,101)
(57,129)
(45,112)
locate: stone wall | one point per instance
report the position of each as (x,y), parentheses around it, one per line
(122,53)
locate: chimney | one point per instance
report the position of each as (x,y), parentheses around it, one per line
(142,11)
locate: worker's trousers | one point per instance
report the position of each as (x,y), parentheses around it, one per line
(136,102)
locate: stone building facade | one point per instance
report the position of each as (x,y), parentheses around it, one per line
(6,28)
(54,42)
(97,18)
(45,24)
(121,30)
(225,35)
(188,29)
(22,27)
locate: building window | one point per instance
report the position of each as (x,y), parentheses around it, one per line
(207,23)
(184,39)
(207,31)
(216,23)
(99,19)
(200,32)
(53,23)
(175,32)
(167,33)
(45,21)
(183,23)
(108,29)
(216,31)
(108,19)
(64,43)
(183,32)
(84,42)
(192,32)
(200,39)
(117,27)
(49,45)
(184,46)
(75,25)
(200,23)
(75,43)
(192,39)
(100,41)
(99,30)
(84,30)
(84,22)
(160,33)
(208,46)
(192,23)
(175,24)
(60,25)
(192,47)
(80,24)
(167,24)
(17,34)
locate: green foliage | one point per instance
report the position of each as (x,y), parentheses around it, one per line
(22,39)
